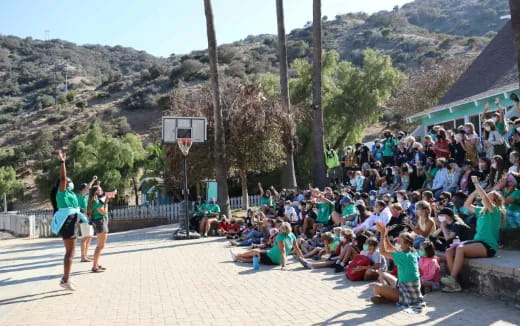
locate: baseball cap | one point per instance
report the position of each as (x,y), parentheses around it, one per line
(273,231)
(372,192)
(360,203)
(345,200)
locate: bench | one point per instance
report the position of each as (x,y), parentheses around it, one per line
(497,277)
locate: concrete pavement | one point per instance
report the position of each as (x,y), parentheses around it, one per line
(153,280)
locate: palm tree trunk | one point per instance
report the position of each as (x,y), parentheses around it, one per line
(245,194)
(288,173)
(221,163)
(515,21)
(136,191)
(318,150)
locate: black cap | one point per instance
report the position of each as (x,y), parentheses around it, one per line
(467,162)
(451,160)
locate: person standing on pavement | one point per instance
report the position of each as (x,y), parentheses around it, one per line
(65,221)
(98,211)
(86,230)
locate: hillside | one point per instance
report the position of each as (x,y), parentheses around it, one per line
(128,89)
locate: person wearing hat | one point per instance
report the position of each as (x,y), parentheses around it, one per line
(348,212)
(86,230)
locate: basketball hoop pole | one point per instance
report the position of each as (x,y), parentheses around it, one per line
(185,167)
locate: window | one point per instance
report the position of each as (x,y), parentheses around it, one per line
(459,122)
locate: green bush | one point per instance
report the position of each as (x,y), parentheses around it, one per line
(70,96)
(102,95)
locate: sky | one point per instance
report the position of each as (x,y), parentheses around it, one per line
(162,27)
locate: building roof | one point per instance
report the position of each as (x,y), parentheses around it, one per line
(494,71)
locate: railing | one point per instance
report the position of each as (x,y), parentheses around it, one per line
(174,212)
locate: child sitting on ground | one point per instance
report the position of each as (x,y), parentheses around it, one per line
(223,226)
(429,268)
(327,238)
(377,262)
(408,293)
(347,250)
(233,230)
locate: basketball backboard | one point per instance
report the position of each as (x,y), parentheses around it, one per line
(174,128)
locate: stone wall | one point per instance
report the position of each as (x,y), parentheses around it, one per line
(121,224)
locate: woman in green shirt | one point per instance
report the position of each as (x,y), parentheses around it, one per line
(211,211)
(509,189)
(485,242)
(284,243)
(98,211)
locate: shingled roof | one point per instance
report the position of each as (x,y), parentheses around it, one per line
(494,71)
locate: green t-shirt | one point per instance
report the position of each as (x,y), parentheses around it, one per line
(348,210)
(82,201)
(488,226)
(274,253)
(266,201)
(514,206)
(212,208)
(501,127)
(333,246)
(407,266)
(324,211)
(388,146)
(199,209)
(66,199)
(331,159)
(96,215)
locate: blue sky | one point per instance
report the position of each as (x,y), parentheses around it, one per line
(162,27)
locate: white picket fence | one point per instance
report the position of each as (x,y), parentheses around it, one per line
(19,225)
(174,212)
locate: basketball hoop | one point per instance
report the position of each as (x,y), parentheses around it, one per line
(184,145)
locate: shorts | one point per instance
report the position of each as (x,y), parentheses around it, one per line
(489,251)
(265,260)
(86,230)
(70,228)
(100,225)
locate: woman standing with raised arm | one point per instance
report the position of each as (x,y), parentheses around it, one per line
(66,220)
(98,211)
(485,242)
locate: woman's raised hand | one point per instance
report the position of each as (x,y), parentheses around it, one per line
(62,156)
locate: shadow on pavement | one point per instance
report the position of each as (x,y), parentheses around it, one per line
(33,297)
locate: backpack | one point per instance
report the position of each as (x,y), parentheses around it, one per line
(359,260)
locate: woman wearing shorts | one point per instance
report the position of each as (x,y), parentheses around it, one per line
(284,243)
(86,230)
(66,219)
(97,210)
(485,243)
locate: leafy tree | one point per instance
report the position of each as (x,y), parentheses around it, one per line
(352,99)
(515,20)
(8,183)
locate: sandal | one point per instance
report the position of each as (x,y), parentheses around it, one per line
(96,270)
(102,268)
(86,260)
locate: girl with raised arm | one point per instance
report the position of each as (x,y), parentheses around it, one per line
(98,211)
(406,288)
(66,220)
(485,242)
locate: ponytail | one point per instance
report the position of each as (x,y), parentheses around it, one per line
(54,192)
(90,206)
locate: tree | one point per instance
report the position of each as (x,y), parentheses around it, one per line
(318,150)
(8,183)
(288,174)
(515,20)
(253,122)
(352,100)
(115,160)
(221,162)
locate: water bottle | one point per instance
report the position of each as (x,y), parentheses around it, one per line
(256,264)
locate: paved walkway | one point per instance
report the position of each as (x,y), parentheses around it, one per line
(152,280)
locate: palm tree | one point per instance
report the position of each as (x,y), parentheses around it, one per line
(221,164)
(514,5)
(318,150)
(288,174)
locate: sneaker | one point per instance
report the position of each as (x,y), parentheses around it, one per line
(339,268)
(233,255)
(451,289)
(449,281)
(304,263)
(67,285)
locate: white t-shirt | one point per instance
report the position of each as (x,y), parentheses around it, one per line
(370,223)
(290,213)
(512,169)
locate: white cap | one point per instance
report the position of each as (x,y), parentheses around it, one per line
(273,231)
(359,202)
